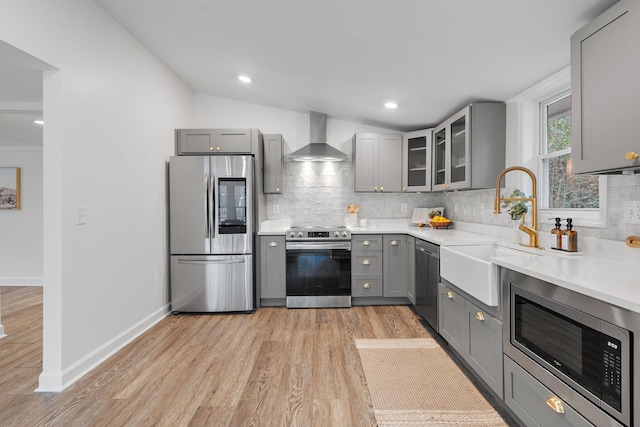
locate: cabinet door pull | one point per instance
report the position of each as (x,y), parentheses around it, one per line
(211,148)
(366,243)
(394,243)
(273,244)
(277,189)
(480,316)
(381,188)
(556,404)
(631,156)
(449,294)
(366,285)
(404,188)
(375,188)
(218,148)
(366,262)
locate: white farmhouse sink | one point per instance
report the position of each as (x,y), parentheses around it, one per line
(470,269)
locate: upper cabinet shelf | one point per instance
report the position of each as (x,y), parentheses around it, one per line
(605,59)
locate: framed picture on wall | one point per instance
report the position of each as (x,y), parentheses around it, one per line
(9,188)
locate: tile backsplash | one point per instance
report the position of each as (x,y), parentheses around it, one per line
(317,193)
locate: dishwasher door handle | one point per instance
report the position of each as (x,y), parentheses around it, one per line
(424,251)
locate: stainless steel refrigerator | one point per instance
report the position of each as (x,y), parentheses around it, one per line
(211,233)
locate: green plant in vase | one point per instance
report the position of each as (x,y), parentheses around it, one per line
(516,208)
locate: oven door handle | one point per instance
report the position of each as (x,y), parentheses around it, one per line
(318,245)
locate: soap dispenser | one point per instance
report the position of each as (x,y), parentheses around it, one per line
(556,238)
(570,238)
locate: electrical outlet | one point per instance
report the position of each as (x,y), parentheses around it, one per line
(276,209)
(483,208)
(403,207)
(455,208)
(631,212)
(81,215)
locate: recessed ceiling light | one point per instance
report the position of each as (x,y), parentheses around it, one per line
(38,122)
(244,78)
(391,104)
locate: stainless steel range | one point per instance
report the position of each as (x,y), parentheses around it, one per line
(318,267)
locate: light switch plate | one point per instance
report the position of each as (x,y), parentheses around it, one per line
(276,209)
(631,212)
(81,215)
(403,207)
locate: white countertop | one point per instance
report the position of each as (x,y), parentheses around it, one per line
(614,280)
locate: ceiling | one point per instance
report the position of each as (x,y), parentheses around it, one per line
(345,58)
(342,58)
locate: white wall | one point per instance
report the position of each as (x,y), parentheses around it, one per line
(214,111)
(109,118)
(21,242)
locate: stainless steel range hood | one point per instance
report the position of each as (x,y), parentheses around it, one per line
(318,150)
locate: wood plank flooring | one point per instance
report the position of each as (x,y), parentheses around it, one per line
(274,367)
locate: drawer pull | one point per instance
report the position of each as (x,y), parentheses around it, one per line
(366,243)
(273,244)
(449,294)
(366,286)
(366,262)
(394,243)
(480,316)
(555,404)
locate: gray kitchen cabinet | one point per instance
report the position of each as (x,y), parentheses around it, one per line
(605,58)
(484,346)
(411,268)
(452,318)
(469,148)
(527,398)
(395,265)
(416,161)
(474,334)
(366,265)
(213,141)
(377,162)
(273,167)
(272,263)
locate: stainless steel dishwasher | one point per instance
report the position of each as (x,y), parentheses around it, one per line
(427,275)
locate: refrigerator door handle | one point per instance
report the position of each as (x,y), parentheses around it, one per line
(222,261)
(214,208)
(207,223)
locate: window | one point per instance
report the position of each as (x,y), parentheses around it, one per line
(560,189)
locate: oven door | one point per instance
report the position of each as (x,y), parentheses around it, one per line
(318,274)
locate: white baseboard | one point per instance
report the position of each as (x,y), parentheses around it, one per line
(58,381)
(21,281)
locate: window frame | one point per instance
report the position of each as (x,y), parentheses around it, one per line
(592,217)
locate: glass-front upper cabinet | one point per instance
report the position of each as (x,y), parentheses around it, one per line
(440,175)
(451,153)
(462,163)
(416,165)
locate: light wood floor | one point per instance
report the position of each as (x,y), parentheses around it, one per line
(275,367)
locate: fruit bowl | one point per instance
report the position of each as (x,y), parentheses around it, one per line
(440,224)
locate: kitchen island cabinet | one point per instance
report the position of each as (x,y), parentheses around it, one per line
(272,261)
(469,148)
(377,162)
(605,57)
(474,333)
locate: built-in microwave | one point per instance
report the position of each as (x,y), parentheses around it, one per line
(591,356)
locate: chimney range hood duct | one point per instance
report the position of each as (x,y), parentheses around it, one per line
(318,150)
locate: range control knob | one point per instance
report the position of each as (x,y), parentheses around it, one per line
(300,234)
(336,234)
(292,234)
(345,234)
